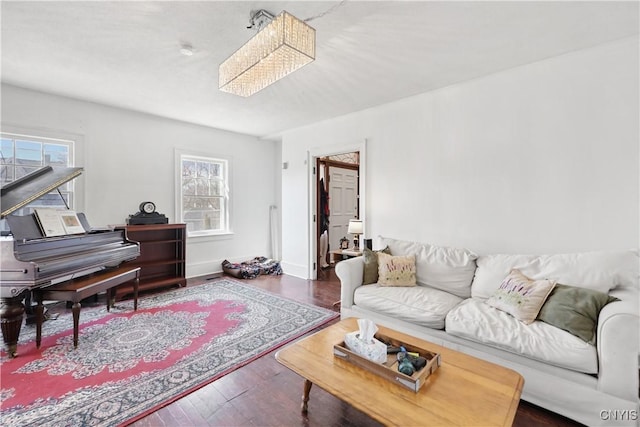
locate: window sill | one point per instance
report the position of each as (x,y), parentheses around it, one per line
(207,237)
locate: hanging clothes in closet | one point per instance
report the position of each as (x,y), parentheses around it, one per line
(324,207)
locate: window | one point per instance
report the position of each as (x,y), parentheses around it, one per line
(22,154)
(204,195)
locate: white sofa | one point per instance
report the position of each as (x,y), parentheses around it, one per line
(592,384)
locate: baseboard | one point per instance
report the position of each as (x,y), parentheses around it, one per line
(296,270)
(211,267)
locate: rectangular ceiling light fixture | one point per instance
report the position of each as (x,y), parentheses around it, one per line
(280,48)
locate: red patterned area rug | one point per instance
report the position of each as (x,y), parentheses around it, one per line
(129,364)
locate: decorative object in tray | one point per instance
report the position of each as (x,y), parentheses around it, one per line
(401,363)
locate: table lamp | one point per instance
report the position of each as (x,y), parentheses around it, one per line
(355,228)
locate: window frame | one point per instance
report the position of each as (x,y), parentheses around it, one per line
(74,190)
(226,231)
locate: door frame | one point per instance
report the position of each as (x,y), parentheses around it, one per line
(328,165)
(312,159)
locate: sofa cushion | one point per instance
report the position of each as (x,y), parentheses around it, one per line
(417,304)
(444,268)
(476,321)
(600,271)
(520,296)
(396,270)
(575,310)
(370,272)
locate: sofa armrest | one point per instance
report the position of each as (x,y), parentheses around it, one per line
(618,349)
(350,272)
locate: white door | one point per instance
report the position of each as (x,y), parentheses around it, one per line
(343,204)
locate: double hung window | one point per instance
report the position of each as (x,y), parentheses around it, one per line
(204,195)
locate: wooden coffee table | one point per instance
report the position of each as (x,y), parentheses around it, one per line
(463,391)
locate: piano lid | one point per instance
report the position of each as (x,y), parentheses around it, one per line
(30,187)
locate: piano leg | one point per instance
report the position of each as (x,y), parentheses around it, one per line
(11,314)
(76,323)
(39,319)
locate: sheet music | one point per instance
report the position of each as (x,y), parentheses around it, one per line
(54,222)
(71,222)
(49,221)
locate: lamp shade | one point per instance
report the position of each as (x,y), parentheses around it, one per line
(280,48)
(355,226)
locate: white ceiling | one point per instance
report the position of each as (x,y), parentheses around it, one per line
(126,54)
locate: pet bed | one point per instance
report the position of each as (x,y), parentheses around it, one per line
(253,268)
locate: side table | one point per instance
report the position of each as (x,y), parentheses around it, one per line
(342,253)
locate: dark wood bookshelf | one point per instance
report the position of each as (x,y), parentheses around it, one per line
(162,257)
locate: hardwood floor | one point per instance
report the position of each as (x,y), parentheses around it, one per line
(264,393)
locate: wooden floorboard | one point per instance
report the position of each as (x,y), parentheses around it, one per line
(264,393)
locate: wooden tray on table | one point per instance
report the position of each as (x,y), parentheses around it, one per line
(389,369)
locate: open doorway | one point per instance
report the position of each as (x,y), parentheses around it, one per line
(337,196)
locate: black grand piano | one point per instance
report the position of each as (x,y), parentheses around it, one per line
(29,260)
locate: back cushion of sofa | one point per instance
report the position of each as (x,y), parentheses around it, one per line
(492,269)
(600,271)
(448,269)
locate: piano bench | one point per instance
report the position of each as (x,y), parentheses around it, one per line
(75,290)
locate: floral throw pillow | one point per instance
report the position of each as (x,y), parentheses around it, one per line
(396,270)
(521,296)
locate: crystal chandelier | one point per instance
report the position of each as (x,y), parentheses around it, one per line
(281,47)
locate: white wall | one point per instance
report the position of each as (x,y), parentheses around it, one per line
(129,158)
(536,159)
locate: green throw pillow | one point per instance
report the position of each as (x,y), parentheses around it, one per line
(575,310)
(371,265)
